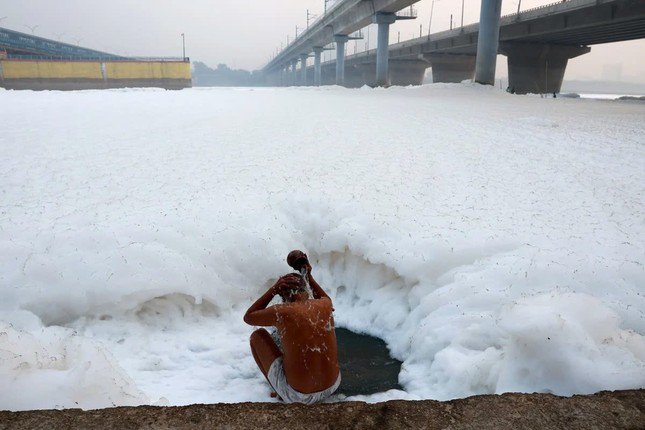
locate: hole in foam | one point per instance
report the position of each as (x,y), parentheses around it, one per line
(371,305)
(366,365)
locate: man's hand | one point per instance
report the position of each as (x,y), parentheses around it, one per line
(299,260)
(285,283)
(308,267)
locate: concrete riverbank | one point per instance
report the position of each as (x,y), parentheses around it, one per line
(605,410)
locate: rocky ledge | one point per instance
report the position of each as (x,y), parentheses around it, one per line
(605,410)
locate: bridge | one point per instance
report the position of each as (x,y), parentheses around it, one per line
(23,45)
(337,25)
(36,63)
(538,43)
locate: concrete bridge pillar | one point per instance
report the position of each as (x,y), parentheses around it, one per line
(294,73)
(383,41)
(287,75)
(488,41)
(317,66)
(538,68)
(303,69)
(340,58)
(451,67)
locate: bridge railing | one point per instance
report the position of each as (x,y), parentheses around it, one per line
(334,6)
(158,59)
(539,11)
(89,58)
(409,12)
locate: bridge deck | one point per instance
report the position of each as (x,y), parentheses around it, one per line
(575,22)
(344,18)
(17,43)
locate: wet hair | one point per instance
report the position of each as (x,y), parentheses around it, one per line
(302,288)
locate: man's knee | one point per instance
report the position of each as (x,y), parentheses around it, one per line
(259,335)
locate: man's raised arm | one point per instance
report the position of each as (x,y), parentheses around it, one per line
(258,314)
(315,288)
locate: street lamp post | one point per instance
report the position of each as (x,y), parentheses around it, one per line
(183,45)
(32,28)
(430,23)
(368,38)
(462,13)
(310,17)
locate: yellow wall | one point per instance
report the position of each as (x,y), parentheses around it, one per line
(50,69)
(148,69)
(19,69)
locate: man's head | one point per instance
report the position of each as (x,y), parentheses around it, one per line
(293,288)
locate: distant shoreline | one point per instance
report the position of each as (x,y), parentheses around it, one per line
(603,89)
(608,96)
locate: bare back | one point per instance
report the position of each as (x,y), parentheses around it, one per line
(310,357)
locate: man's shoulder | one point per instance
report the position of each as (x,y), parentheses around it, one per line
(324,302)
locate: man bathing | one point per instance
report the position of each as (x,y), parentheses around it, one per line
(306,370)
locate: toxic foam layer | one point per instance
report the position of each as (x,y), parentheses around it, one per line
(494,259)
(53,367)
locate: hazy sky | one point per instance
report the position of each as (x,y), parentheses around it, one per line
(244,33)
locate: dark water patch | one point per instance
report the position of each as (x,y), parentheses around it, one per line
(365,364)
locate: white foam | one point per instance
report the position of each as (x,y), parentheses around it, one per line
(53,367)
(492,253)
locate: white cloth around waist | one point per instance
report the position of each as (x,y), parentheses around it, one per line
(278,381)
